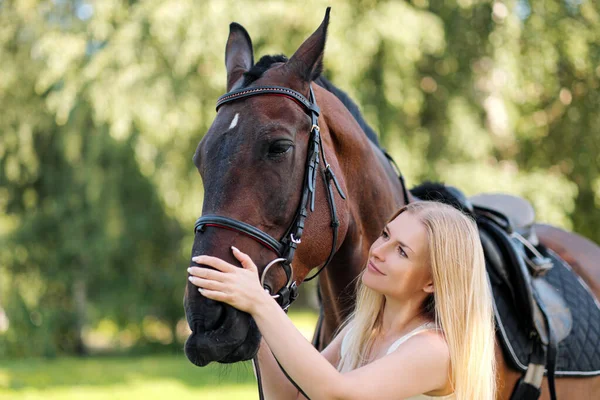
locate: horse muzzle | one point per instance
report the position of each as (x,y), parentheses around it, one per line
(220,333)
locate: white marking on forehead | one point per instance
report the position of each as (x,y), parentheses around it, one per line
(235,121)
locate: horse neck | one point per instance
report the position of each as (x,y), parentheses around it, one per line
(373,191)
(362,164)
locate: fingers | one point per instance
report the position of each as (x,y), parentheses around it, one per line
(207,274)
(224,266)
(214,295)
(244,259)
(214,262)
(207,284)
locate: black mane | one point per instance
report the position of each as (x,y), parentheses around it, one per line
(266,62)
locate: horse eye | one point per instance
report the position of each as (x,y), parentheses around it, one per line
(280,147)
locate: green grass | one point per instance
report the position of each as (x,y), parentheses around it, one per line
(151,377)
(128,378)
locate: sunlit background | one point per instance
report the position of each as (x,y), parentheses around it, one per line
(102,104)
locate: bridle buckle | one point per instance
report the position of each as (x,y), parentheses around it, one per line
(294,240)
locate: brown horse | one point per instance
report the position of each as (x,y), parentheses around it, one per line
(252,162)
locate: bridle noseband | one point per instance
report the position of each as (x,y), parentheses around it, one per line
(286,246)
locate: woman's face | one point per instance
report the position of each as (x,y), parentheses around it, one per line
(398,263)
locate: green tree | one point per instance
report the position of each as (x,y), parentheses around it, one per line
(103,105)
(87,233)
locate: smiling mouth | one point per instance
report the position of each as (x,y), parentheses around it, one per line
(374,268)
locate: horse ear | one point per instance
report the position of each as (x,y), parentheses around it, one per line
(239,57)
(307,61)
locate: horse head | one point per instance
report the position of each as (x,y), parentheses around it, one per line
(255,162)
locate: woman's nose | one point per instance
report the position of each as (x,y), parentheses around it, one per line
(378,250)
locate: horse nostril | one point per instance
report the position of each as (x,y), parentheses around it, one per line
(215,315)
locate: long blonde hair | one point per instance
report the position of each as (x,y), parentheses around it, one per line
(461,304)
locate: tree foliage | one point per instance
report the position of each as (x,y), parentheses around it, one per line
(103,104)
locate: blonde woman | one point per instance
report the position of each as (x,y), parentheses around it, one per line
(422,327)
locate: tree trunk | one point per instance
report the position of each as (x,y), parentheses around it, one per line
(80,299)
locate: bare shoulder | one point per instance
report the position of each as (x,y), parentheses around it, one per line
(429,346)
(430,337)
(419,365)
(427,354)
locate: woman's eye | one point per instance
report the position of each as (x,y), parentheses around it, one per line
(279,148)
(402,252)
(384,235)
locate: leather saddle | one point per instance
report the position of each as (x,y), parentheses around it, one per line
(506,225)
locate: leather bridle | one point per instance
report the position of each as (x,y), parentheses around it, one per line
(287,245)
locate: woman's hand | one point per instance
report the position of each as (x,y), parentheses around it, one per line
(238,287)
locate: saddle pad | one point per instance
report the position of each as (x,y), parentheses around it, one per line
(578,353)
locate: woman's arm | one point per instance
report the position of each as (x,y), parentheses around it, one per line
(275,384)
(419,368)
(309,369)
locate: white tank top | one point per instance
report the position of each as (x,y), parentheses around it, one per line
(425,327)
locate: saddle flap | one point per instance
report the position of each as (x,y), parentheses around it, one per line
(512,268)
(558,313)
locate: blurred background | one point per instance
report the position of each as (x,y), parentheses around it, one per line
(102,104)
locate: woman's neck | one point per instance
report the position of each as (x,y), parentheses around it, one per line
(400,318)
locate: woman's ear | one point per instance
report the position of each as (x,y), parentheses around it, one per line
(428,288)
